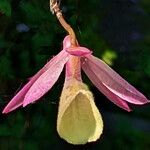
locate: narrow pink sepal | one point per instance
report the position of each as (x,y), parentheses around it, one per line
(114,82)
(17,101)
(47,79)
(78,51)
(110,95)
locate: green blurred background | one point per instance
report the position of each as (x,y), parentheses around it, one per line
(117,31)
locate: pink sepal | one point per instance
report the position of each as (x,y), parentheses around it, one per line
(17,101)
(113,81)
(47,79)
(110,95)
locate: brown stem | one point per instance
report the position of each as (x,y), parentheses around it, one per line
(55,9)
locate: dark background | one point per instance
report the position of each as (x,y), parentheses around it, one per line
(118,31)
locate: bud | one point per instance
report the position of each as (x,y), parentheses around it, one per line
(79,120)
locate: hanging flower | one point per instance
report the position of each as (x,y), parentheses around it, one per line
(79,120)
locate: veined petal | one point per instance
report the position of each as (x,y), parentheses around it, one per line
(79,120)
(47,79)
(113,81)
(109,94)
(17,101)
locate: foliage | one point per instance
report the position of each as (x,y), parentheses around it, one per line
(5,7)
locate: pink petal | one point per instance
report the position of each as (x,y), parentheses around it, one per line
(78,51)
(110,95)
(114,82)
(17,101)
(46,80)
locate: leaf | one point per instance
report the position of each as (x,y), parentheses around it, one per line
(109,56)
(34,13)
(2,42)
(5,7)
(41,39)
(5,67)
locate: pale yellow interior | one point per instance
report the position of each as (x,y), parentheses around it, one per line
(78,122)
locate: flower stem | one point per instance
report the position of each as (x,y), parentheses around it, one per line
(55,9)
(73,66)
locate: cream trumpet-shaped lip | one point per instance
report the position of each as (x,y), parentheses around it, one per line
(79,120)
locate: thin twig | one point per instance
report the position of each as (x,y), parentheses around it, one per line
(54,7)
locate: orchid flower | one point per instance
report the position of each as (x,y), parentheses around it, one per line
(79,120)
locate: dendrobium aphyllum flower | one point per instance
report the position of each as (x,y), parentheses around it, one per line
(79,120)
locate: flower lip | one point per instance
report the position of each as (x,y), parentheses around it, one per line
(78,51)
(79,120)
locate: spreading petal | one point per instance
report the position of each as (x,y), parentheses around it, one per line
(79,120)
(17,101)
(47,79)
(113,81)
(110,95)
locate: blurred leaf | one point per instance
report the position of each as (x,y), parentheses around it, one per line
(14,127)
(33,12)
(2,42)
(30,145)
(25,62)
(109,56)
(5,7)
(5,67)
(41,39)
(147,68)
